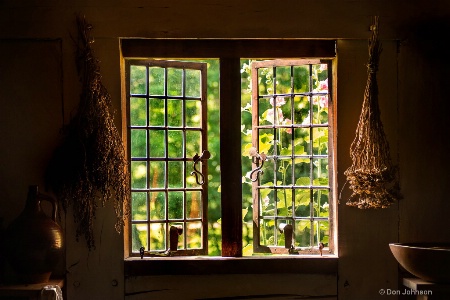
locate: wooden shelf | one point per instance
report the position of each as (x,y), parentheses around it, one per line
(424,290)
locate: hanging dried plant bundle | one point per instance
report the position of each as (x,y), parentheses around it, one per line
(372,177)
(90,166)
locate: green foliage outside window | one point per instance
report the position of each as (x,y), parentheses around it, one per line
(284,169)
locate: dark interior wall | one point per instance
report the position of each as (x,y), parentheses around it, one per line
(37,74)
(424,124)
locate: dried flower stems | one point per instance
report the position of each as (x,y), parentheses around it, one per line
(90,165)
(372,176)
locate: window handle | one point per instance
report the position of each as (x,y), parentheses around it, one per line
(288,231)
(174,234)
(199,177)
(257,158)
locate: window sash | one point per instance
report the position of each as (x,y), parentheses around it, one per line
(271,188)
(164,192)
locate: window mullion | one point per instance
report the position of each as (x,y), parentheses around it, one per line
(230,156)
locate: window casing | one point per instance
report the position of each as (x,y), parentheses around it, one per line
(229,54)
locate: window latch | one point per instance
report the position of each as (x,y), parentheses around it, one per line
(174,234)
(288,231)
(257,159)
(199,177)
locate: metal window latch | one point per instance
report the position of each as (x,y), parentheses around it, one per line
(257,159)
(174,234)
(288,231)
(199,177)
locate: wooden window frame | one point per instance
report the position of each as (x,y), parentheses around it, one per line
(186,161)
(288,247)
(229,52)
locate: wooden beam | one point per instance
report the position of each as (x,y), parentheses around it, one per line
(230,156)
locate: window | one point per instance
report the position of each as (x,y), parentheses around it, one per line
(167,129)
(260,180)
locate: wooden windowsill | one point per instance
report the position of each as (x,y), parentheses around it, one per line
(206,265)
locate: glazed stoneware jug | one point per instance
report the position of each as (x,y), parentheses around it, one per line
(34,241)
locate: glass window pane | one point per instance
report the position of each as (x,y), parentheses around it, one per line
(284,202)
(138,143)
(193,113)
(302,141)
(302,233)
(138,80)
(138,175)
(157,174)
(193,83)
(320,171)
(175,143)
(265,112)
(320,78)
(174,82)
(157,205)
(193,205)
(139,206)
(176,174)
(193,143)
(265,79)
(266,140)
(266,178)
(138,109)
(267,232)
(139,237)
(156,112)
(174,113)
(284,171)
(175,205)
(194,235)
(157,236)
(283,80)
(320,140)
(267,202)
(302,172)
(156,81)
(302,202)
(301,110)
(321,204)
(157,142)
(301,79)
(323,232)
(320,108)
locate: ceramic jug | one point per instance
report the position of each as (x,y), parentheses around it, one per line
(34,241)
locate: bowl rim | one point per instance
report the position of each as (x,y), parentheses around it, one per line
(435,246)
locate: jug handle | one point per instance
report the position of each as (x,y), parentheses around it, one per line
(52,201)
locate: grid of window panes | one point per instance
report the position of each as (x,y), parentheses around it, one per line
(167,113)
(291,102)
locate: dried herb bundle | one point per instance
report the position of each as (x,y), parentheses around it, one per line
(90,166)
(372,177)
